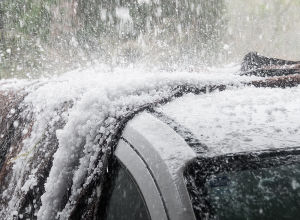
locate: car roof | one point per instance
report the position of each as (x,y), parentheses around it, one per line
(238,120)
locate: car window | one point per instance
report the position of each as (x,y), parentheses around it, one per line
(126,201)
(265,193)
(246,186)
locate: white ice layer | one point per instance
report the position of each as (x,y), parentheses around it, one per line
(241,119)
(88,102)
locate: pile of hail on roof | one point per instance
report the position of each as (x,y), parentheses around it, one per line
(56,134)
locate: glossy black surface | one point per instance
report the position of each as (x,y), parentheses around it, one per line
(261,185)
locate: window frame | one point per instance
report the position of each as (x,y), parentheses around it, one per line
(139,173)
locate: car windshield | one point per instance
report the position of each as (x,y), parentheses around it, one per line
(256,194)
(253,186)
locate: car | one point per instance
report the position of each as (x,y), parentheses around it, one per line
(180,162)
(185,156)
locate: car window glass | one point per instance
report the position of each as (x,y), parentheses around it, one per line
(269,193)
(126,201)
(262,185)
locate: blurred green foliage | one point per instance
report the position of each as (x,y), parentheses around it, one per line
(24,26)
(45,35)
(169,29)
